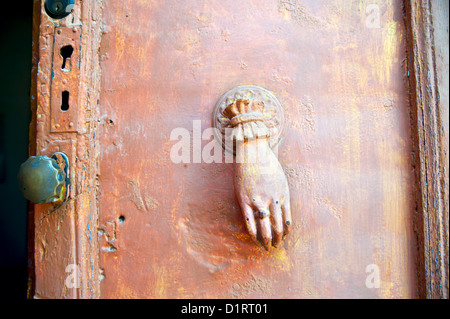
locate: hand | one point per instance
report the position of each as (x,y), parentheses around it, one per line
(262,192)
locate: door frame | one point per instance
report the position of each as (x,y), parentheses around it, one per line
(75,223)
(430,152)
(65,235)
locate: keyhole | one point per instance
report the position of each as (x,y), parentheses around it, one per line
(65,101)
(66,53)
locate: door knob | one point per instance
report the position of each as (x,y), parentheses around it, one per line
(44,179)
(58,9)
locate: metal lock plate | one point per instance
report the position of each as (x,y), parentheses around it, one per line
(65,79)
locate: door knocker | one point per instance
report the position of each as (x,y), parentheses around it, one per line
(249,121)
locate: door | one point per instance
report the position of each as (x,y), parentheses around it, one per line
(139,224)
(177,227)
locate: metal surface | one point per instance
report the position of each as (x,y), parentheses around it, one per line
(260,183)
(140,225)
(42,180)
(65,79)
(58,9)
(64,235)
(345,152)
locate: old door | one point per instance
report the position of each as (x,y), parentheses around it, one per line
(152,227)
(177,229)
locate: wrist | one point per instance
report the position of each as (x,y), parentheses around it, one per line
(247,121)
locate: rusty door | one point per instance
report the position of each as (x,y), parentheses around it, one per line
(174,230)
(140,223)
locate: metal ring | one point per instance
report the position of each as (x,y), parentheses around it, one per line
(263,214)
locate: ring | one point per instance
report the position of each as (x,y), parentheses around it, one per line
(263,214)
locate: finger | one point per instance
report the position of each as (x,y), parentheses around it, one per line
(287,218)
(266,232)
(242,106)
(265,228)
(249,220)
(277,222)
(234,109)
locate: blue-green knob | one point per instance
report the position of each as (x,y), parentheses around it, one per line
(41,180)
(58,9)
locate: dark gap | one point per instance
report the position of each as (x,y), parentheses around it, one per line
(66,53)
(65,101)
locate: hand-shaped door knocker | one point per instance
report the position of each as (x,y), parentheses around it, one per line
(250,122)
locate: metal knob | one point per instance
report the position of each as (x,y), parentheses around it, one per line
(58,9)
(43,179)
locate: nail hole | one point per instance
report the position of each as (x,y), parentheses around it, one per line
(121,218)
(64,100)
(66,53)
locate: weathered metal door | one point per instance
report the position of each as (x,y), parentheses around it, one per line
(140,225)
(339,76)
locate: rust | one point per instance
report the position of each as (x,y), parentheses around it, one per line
(69,230)
(65,79)
(429,139)
(345,153)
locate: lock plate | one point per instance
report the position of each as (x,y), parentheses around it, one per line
(65,79)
